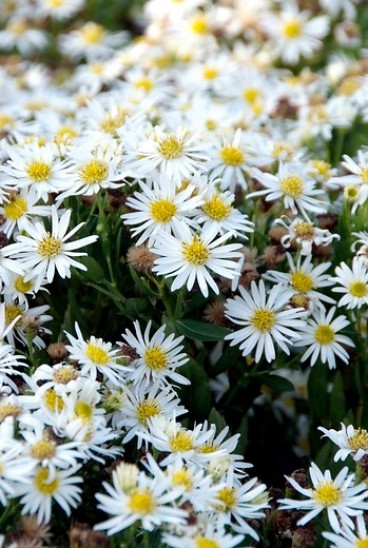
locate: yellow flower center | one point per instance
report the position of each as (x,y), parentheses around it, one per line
(199,25)
(38,171)
(207,448)
(183,478)
(21,286)
(251,95)
(322,167)
(144,83)
(84,411)
(232,156)
(292,186)
(210,73)
(92,33)
(9,410)
(301,281)
(349,86)
(155,358)
(53,401)
(204,542)
(326,494)
(94,172)
(45,487)
(359,440)
(351,193)
(55,3)
(11,312)
(141,502)
(358,289)
(196,252)
(211,125)
(304,230)
(182,441)
(163,211)
(43,449)
(324,334)
(6,120)
(216,208)
(50,247)
(112,122)
(292,28)
(364,175)
(227,496)
(65,374)
(147,409)
(96,354)
(283,148)
(65,135)
(362,543)
(263,319)
(171,148)
(299,301)
(17,27)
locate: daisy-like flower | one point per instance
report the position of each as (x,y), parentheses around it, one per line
(304,233)
(304,279)
(42,488)
(149,501)
(160,207)
(157,356)
(362,252)
(59,9)
(191,257)
(18,33)
(322,340)
(353,282)
(351,441)
(91,41)
(206,535)
(339,497)
(265,320)
(95,355)
(178,154)
(349,538)
(41,253)
(20,206)
(293,186)
(355,182)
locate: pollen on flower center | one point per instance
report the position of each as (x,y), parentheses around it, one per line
(49,247)
(38,171)
(171,148)
(94,172)
(227,496)
(112,122)
(65,374)
(45,487)
(209,73)
(251,95)
(147,409)
(304,230)
(196,252)
(292,28)
(364,175)
(203,542)
(43,449)
(182,441)
(141,502)
(155,358)
(182,477)
(263,319)
(92,33)
(216,208)
(199,25)
(11,312)
(53,401)
(232,156)
(359,440)
(22,286)
(97,354)
(292,186)
(6,120)
(163,211)
(15,209)
(9,410)
(301,282)
(324,334)
(144,83)
(358,289)
(327,494)
(55,3)
(84,411)
(362,543)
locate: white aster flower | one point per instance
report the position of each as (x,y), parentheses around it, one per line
(20,206)
(353,282)
(348,537)
(150,501)
(304,233)
(322,339)
(265,320)
(351,441)
(202,536)
(41,253)
(191,257)
(157,356)
(339,497)
(95,355)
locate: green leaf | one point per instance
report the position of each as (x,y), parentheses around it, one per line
(217,419)
(337,401)
(94,271)
(201,331)
(197,396)
(276,383)
(227,359)
(317,392)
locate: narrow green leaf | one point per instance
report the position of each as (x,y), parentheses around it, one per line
(201,331)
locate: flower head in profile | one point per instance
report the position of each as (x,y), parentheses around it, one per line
(42,252)
(265,320)
(350,441)
(339,497)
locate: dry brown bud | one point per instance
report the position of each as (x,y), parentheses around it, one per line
(57,351)
(141,258)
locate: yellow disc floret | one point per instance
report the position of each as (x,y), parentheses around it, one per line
(216,208)
(43,485)
(358,289)
(49,247)
(182,441)
(38,171)
(155,358)
(232,156)
(359,440)
(263,319)
(327,495)
(196,253)
(163,211)
(15,208)
(147,409)
(292,28)
(292,186)
(141,502)
(301,281)
(171,148)
(94,172)
(96,354)
(324,334)
(43,449)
